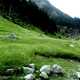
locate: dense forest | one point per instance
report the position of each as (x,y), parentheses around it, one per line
(46,17)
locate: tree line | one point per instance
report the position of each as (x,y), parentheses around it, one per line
(30,13)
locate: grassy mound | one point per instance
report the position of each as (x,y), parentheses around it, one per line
(34,47)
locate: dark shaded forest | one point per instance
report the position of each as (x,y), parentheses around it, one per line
(48,18)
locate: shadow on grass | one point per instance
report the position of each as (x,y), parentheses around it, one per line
(59,55)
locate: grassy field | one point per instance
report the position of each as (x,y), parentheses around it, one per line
(34,47)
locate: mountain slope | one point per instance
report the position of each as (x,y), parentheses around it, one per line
(39,13)
(34,47)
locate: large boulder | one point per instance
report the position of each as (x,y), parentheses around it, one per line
(46,69)
(28,70)
(76,75)
(57,69)
(12,36)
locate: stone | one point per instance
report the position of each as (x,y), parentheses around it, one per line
(43,76)
(29,77)
(9,72)
(32,65)
(76,76)
(45,68)
(5,77)
(12,36)
(57,69)
(28,70)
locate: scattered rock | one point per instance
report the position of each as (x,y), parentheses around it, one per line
(29,77)
(9,72)
(12,36)
(28,70)
(76,76)
(12,71)
(57,69)
(45,68)
(43,76)
(31,65)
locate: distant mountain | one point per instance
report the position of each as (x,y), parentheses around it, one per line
(53,13)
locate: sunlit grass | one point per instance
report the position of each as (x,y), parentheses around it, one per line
(35,47)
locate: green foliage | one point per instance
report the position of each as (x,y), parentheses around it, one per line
(22,51)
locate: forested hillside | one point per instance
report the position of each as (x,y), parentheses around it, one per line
(38,42)
(44,16)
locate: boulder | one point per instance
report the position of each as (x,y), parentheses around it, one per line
(12,36)
(57,69)
(45,68)
(43,76)
(76,76)
(10,71)
(29,77)
(28,70)
(31,65)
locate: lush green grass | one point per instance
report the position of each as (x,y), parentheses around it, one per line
(35,47)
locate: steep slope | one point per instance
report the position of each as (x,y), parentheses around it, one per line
(33,47)
(19,46)
(52,11)
(39,13)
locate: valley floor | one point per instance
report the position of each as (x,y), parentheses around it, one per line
(19,46)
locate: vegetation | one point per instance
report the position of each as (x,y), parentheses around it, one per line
(21,43)
(31,46)
(29,12)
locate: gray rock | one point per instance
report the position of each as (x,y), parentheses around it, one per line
(28,70)
(32,65)
(76,76)
(45,68)
(29,77)
(57,69)
(9,72)
(43,76)
(12,36)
